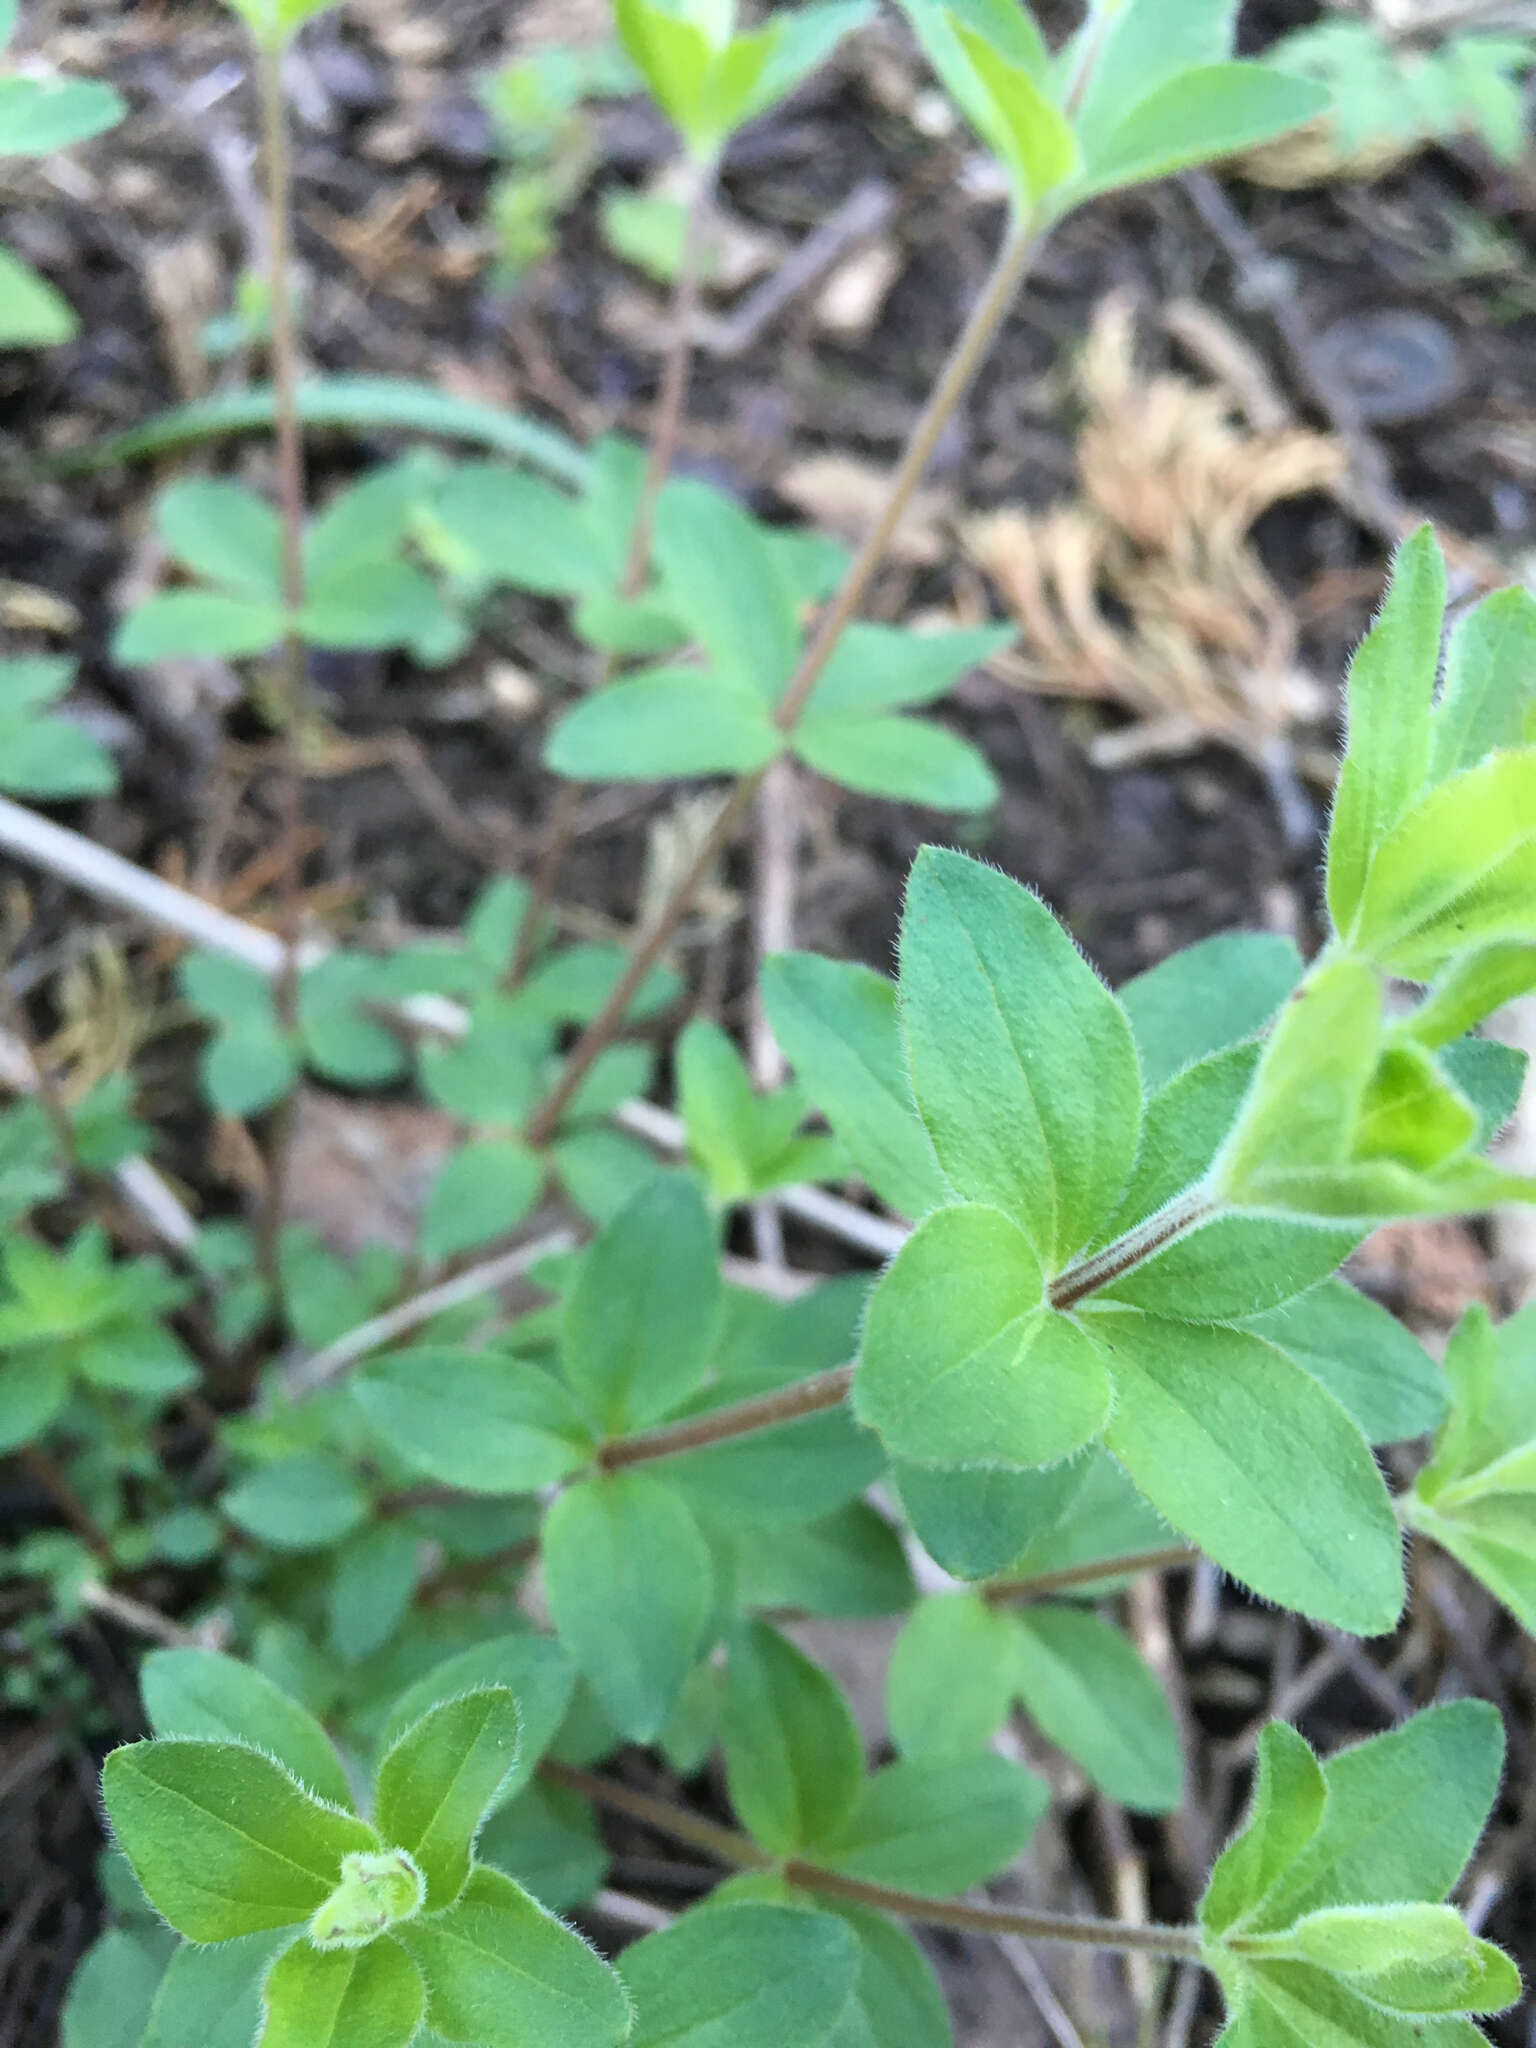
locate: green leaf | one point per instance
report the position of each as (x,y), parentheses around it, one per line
(1365,1357)
(41,115)
(502,1973)
(1420,905)
(964,1363)
(1085,1687)
(477,1420)
(1471,988)
(341,1040)
(890,668)
(775,1478)
(211,1997)
(951,1681)
(371,1589)
(1185,1125)
(937,1825)
(249,1067)
(42,756)
(909,760)
(1146,44)
(1034,139)
(1411,1113)
(1022,1062)
(670,722)
(630,1586)
(678,62)
(571,986)
(32,1392)
(372,519)
(1490,683)
(1284,1813)
(343,1998)
(1306,1097)
(492,1075)
(482,1191)
(1198,117)
(222,531)
(113,1989)
(897,2002)
(724,583)
(439,1780)
(1248,1456)
(536,1671)
(274,23)
(361,405)
(223,1841)
(32,313)
(375,604)
(793,1756)
(1210,996)
(301,1502)
(837,1023)
(802,39)
(204,1694)
(741,1976)
(974,1521)
(547,1839)
(1011,31)
(200,623)
(1404,1812)
(641,1317)
(847,1564)
(517,529)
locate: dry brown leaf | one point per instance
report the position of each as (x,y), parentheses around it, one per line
(1147,591)
(844,497)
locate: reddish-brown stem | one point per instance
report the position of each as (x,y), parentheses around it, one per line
(666,426)
(965,358)
(1117,1259)
(291,660)
(1040,1585)
(764,1411)
(545,1121)
(64,1497)
(726,1846)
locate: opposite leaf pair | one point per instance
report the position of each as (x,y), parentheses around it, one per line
(383,1927)
(1323,1917)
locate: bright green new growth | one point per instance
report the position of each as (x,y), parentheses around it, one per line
(381,1928)
(1323,1917)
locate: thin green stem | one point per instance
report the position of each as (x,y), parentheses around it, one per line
(1040,1585)
(745,1418)
(729,1847)
(964,360)
(671,405)
(291,664)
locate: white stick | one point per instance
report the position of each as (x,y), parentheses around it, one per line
(115,880)
(324,1366)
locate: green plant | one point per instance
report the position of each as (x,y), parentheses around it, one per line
(37,117)
(42,755)
(1397,92)
(539,106)
(1113,1339)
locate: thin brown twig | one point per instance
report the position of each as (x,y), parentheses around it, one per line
(965,358)
(744,1418)
(667,426)
(727,1846)
(49,1476)
(291,669)
(1041,1585)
